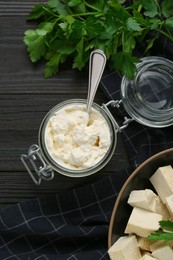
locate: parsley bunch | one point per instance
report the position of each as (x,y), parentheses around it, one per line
(72,28)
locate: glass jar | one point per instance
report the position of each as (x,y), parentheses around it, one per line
(43,163)
(148,99)
(77,172)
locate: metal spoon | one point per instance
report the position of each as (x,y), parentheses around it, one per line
(97,64)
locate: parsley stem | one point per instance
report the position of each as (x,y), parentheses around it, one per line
(159,9)
(164,31)
(47,10)
(169,36)
(91,6)
(139,8)
(123,41)
(86,14)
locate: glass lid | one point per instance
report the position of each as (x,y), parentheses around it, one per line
(149,97)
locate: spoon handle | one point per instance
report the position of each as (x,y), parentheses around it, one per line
(97,64)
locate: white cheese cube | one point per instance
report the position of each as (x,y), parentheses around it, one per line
(169,204)
(161,209)
(155,245)
(142,222)
(144,243)
(125,248)
(162,180)
(144,199)
(163,253)
(158,244)
(148,200)
(147,257)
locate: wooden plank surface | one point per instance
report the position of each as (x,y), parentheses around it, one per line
(25,98)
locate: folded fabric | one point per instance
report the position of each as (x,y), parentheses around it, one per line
(69,225)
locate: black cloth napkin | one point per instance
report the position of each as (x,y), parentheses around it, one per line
(69,225)
(74,224)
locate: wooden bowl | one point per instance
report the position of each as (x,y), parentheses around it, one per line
(139,179)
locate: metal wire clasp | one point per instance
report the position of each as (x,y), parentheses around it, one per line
(37,165)
(116,104)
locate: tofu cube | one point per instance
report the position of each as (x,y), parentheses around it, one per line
(162,180)
(144,199)
(169,204)
(163,253)
(147,257)
(142,222)
(125,248)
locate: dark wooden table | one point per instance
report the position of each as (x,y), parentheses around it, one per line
(25,98)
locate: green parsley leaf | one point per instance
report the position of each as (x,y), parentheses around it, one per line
(93,27)
(37,12)
(74,2)
(164,233)
(166,225)
(36,45)
(160,235)
(36,41)
(99,4)
(129,42)
(52,65)
(155,22)
(78,31)
(169,22)
(44,28)
(79,60)
(133,25)
(167,8)
(151,7)
(125,62)
(150,43)
(58,6)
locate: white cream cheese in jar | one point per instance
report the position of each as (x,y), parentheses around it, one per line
(75,139)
